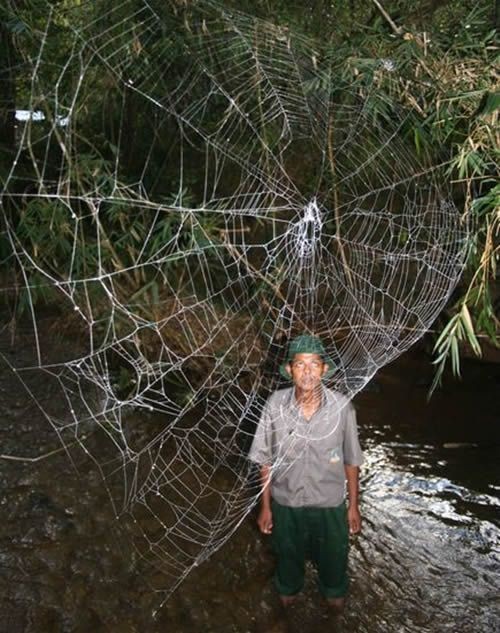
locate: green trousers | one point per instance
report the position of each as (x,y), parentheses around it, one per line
(317,534)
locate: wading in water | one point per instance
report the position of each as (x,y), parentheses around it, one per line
(307,448)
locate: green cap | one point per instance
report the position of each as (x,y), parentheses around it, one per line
(307,344)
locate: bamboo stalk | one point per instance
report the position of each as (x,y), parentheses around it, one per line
(397,29)
(333,168)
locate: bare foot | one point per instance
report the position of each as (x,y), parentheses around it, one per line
(287,600)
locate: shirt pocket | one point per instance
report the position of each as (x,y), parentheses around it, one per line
(334,456)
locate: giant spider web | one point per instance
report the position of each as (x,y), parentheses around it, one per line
(240,185)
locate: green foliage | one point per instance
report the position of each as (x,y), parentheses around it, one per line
(459,329)
(439,65)
(446,76)
(477,300)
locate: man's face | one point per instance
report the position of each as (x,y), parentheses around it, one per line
(307,370)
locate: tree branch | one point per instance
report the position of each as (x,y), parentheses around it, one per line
(397,29)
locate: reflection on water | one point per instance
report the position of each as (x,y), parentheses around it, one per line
(427,560)
(430,545)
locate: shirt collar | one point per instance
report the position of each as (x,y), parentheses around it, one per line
(293,407)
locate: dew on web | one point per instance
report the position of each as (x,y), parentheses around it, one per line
(231,199)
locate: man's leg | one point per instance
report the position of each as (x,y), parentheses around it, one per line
(288,545)
(330,546)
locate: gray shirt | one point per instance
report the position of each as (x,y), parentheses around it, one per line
(307,456)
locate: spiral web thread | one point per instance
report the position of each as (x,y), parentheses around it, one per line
(312,216)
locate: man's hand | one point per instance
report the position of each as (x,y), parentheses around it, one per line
(265,520)
(353,516)
(354,519)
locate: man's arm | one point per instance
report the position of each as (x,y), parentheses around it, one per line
(353,515)
(265,518)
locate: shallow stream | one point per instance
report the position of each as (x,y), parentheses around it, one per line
(426,561)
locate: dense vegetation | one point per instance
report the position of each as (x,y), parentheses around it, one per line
(445,54)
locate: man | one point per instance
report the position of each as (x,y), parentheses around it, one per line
(306,445)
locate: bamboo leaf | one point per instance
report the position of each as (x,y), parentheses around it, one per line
(455,356)
(416,138)
(469,331)
(490,104)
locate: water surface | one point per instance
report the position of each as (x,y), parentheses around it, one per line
(427,559)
